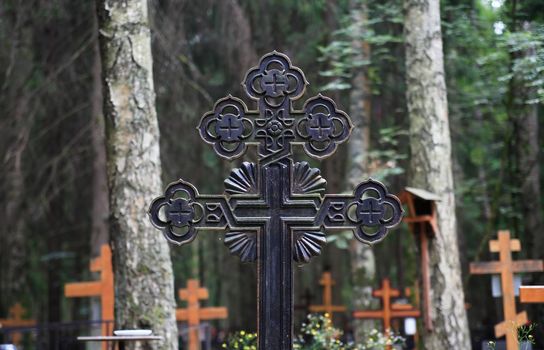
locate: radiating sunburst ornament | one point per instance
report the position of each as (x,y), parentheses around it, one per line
(307,244)
(242,180)
(243,244)
(307,180)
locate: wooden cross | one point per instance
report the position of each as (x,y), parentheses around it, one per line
(16,313)
(193,314)
(327,307)
(422,222)
(389,309)
(506,267)
(531,294)
(102,288)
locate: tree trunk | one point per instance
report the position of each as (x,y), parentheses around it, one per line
(363,265)
(144,289)
(431,169)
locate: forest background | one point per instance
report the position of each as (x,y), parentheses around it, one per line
(53,181)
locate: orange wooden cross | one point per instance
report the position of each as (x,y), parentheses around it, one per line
(16,313)
(390,310)
(531,294)
(506,267)
(422,222)
(193,314)
(327,307)
(102,288)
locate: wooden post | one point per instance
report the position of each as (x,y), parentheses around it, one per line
(390,310)
(506,267)
(193,314)
(327,307)
(422,222)
(16,313)
(531,294)
(102,288)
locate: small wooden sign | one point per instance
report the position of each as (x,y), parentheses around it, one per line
(531,294)
(506,267)
(194,314)
(102,288)
(16,313)
(327,307)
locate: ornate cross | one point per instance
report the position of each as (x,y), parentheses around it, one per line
(506,267)
(16,313)
(102,288)
(274,211)
(328,307)
(193,314)
(390,310)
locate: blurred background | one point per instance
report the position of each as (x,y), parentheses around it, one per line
(53,194)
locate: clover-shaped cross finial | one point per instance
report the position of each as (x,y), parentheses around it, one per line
(275,83)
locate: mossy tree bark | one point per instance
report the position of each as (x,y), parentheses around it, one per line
(363,263)
(431,168)
(144,290)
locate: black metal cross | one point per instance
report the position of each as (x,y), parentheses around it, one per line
(275,211)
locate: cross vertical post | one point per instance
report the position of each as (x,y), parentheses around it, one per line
(506,267)
(102,288)
(327,306)
(275,211)
(16,314)
(193,314)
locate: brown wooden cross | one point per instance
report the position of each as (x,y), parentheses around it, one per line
(102,288)
(531,294)
(327,307)
(422,222)
(390,310)
(193,314)
(16,313)
(506,267)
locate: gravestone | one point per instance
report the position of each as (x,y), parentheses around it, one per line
(275,211)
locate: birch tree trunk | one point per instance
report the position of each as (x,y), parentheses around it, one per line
(431,169)
(144,285)
(363,264)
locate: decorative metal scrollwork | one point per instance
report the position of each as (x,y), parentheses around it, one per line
(251,201)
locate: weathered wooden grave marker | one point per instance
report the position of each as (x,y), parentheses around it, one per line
(193,314)
(273,210)
(422,222)
(16,314)
(327,307)
(389,310)
(531,294)
(506,267)
(102,288)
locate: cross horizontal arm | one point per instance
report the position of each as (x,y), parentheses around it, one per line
(495,267)
(4,323)
(212,313)
(82,289)
(531,294)
(368,314)
(323,308)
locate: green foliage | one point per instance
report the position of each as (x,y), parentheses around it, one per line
(317,333)
(241,341)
